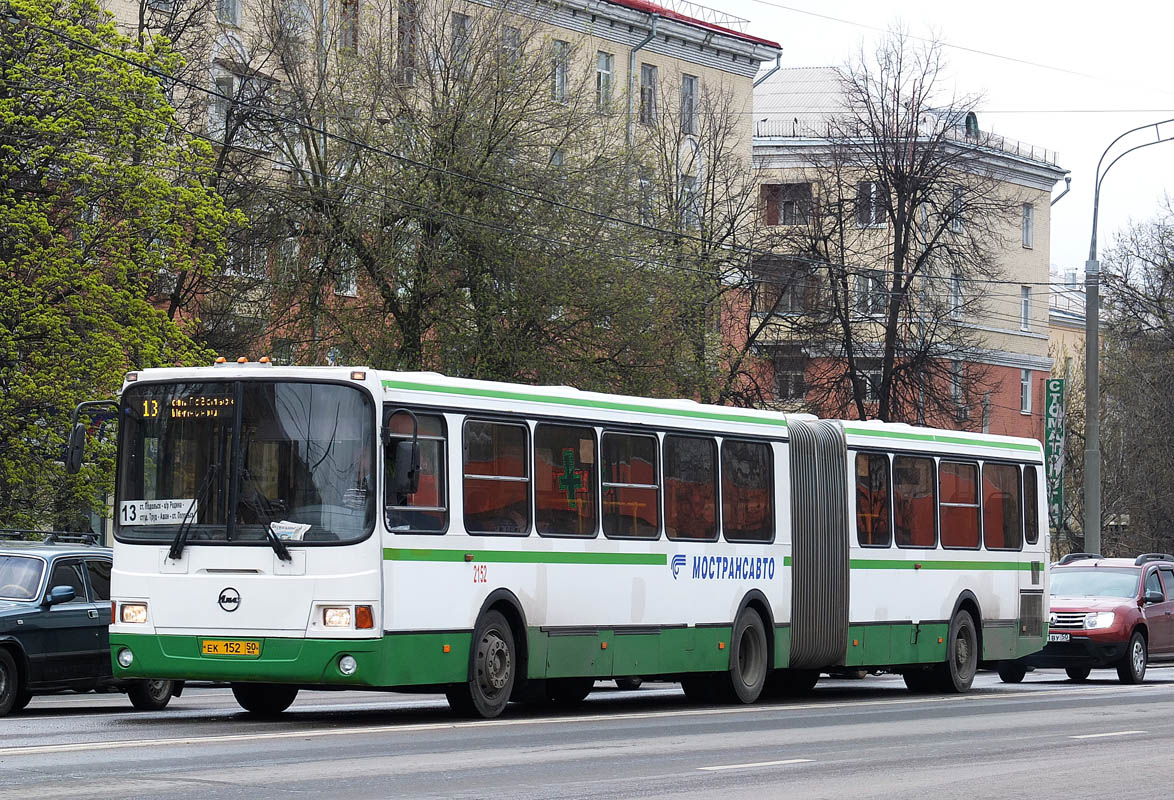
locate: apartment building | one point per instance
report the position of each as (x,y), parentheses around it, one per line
(1003,316)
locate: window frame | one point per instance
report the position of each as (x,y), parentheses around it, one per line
(605,431)
(528,479)
(443,475)
(93,593)
(717,516)
(976,505)
(560,59)
(1028,226)
(933,483)
(721,500)
(1025,308)
(597,504)
(1019,486)
(649,91)
(1031,512)
(690,86)
(1025,377)
(888,456)
(870,211)
(605,68)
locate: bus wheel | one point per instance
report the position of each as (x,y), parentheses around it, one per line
(150,695)
(264,699)
(492,674)
(748,659)
(1011,671)
(569,691)
(956,673)
(9,683)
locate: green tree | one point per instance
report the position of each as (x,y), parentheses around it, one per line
(98,193)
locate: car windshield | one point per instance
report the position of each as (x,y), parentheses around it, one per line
(20,577)
(223,461)
(1094,582)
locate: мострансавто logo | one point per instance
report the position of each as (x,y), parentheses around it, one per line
(726,568)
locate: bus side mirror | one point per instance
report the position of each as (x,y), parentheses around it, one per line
(405,475)
(75,449)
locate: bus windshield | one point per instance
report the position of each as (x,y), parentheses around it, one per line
(227,460)
(1094,582)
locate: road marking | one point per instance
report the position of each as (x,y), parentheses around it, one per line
(312,733)
(759,764)
(1103,735)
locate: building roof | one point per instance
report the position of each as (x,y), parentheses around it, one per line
(692,13)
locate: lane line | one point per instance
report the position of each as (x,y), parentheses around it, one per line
(1103,735)
(759,764)
(312,733)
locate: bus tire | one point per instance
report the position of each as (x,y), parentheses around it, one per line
(150,695)
(492,670)
(1011,671)
(956,673)
(1131,668)
(569,691)
(749,659)
(264,699)
(10,688)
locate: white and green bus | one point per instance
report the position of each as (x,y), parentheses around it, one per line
(281,528)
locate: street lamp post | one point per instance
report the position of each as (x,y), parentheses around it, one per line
(1092,378)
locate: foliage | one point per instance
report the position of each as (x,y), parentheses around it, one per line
(98,193)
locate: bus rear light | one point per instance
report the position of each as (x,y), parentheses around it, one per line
(336,617)
(364,618)
(134,613)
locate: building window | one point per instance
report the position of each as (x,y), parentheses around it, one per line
(957,390)
(560,53)
(461,28)
(346,283)
(870,204)
(956,209)
(407,34)
(1025,308)
(648,88)
(1028,225)
(690,213)
(604,66)
(789,378)
(644,196)
(1025,391)
(689,104)
(782,287)
(871,293)
(511,45)
(871,377)
(557,157)
(221,107)
(228,12)
(348,26)
(956,298)
(786,203)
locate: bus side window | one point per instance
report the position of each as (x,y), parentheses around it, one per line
(872,500)
(747,491)
(1031,505)
(631,489)
(1001,525)
(914,503)
(564,480)
(426,511)
(690,488)
(958,505)
(497,479)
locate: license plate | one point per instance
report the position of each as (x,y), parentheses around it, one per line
(1059,637)
(231,647)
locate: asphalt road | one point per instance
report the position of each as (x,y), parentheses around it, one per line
(869,738)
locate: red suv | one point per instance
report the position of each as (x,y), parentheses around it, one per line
(1108,612)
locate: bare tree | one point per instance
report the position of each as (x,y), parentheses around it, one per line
(899,235)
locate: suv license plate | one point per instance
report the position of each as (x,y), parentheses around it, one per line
(230,647)
(1059,637)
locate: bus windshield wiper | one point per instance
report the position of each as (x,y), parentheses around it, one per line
(259,503)
(189,518)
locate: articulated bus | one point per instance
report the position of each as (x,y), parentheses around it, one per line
(280,528)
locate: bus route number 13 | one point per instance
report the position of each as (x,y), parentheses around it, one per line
(480,573)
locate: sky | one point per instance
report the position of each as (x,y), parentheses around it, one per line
(1054,75)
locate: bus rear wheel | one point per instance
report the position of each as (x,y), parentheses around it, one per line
(956,673)
(264,699)
(491,673)
(748,659)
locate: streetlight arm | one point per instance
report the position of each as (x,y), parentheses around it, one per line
(1100,176)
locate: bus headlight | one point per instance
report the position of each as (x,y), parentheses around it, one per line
(347,665)
(125,658)
(336,617)
(1098,619)
(134,613)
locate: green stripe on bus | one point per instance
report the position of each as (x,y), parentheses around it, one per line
(581,402)
(942,438)
(524,557)
(878,563)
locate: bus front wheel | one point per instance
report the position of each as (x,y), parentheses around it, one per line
(264,699)
(491,673)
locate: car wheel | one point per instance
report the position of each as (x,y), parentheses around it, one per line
(1011,671)
(153,695)
(1077,674)
(264,699)
(492,671)
(1132,667)
(10,689)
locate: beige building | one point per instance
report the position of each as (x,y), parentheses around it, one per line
(1007,316)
